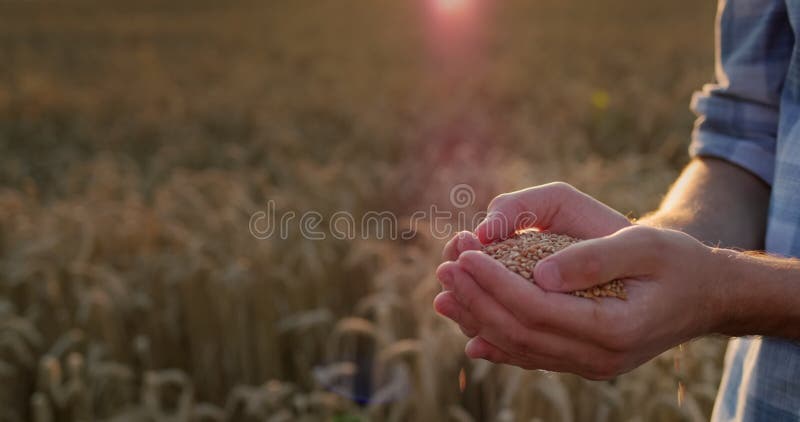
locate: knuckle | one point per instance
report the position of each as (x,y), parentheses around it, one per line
(656,242)
(504,209)
(561,188)
(560,185)
(647,235)
(638,230)
(683,241)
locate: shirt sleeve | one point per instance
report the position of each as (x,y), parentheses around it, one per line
(738,114)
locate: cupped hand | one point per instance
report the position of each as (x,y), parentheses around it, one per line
(671,288)
(668,276)
(556,207)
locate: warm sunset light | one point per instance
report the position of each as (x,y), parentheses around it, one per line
(452,6)
(333,211)
(454,29)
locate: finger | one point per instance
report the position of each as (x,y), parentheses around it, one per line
(474,302)
(629,253)
(529,304)
(557,207)
(501,327)
(478,348)
(446,305)
(463,241)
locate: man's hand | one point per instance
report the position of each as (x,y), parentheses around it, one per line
(557,207)
(671,299)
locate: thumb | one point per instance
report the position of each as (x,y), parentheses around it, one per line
(630,252)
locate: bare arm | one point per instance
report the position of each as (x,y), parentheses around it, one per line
(718,203)
(759,294)
(723,204)
(678,288)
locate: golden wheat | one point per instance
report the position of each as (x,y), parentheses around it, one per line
(129,280)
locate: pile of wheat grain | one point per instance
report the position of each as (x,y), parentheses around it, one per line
(521,252)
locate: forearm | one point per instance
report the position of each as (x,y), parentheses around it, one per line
(716,202)
(758,294)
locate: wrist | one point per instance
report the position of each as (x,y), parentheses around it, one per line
(724,295)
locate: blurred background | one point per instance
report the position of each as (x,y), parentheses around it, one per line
(137,139)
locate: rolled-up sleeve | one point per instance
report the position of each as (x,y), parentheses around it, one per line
(738,114)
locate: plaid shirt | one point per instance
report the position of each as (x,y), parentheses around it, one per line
(751,117)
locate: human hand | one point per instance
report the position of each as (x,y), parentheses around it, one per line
(556,207)
(672,297)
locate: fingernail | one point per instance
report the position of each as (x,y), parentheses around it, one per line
(548,276)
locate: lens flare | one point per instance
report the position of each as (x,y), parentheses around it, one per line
(455,32)
(452,6)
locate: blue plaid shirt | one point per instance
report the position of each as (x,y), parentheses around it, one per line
(751,117)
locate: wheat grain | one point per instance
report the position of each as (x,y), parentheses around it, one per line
(521,252)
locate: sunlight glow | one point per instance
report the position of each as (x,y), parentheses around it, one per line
(454,32)
(452,6)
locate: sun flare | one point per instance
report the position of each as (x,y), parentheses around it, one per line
(452,6)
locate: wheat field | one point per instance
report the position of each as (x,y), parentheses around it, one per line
(137,139)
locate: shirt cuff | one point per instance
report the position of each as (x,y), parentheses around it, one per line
(747,154)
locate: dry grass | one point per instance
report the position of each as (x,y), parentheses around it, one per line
(137,138)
